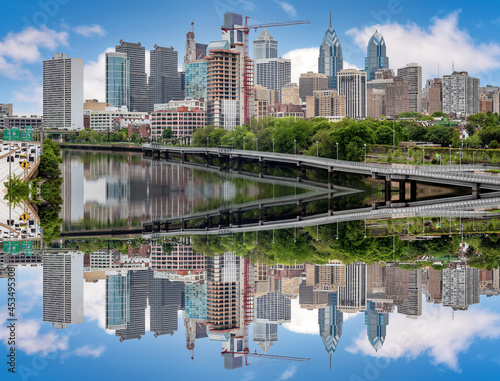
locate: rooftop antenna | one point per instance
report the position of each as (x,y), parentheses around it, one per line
(330,17)
(453,66)
(438,69)
(192,26)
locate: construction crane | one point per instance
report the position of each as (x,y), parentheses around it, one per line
(247,74)
(246,352)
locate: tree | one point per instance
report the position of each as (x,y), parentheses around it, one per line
(167,134)
(439,114)
(438,135)
(493,144)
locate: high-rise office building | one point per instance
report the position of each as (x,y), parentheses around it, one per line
(330,320)
(195,82)
(352,84)
(165,300)
(138,77)
(435,96)
(310,82)
(376,56)
(273,73)
(412,74)
(352,297)
(63,288)
(63,92)
(232,20)
(265,47)
(460,287)
(117,301)
(138,291)
(397,97)
(290,94)
(376,325)
(330,60)
(117,79)
(164,79)
(460,94)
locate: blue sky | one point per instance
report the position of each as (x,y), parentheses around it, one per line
(415,31)
(434,346)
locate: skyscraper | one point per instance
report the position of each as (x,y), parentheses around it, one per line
(376,324)
(118,79)
(310,82)
(273,73)
(63,92)
(460,94)
(196,79)
(460,287)
(117,301)
(412,74)
(352,297)
(138,291)
(165,300)
(376,57)
(352,84)
(138,77)
(397,97)
(224,86)
(164,79)
(265,47)
(435,96)
(330,60)
(63,288)
(330,321)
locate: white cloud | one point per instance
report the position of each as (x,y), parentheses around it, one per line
(31,340)
(23,47)
(248,376)
(288,373)
(248,5)
(438,336)
(304,321)
(32,95)
(441,42)
(94,75)
(306,59)
(89,30)
(88,351)
(94,303)
(288,8)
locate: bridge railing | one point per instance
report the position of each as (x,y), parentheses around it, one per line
(465,172)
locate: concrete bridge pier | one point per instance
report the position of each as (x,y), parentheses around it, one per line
(475,190)
(413,190)
(402,191)
(388,189)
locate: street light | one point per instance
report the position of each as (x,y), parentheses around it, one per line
(317,148)
(460,157)
(232,142)
(337,145)
(295,147)
(256,143)
(423,155)
(364,147)
(243,143)
(273,145)
(473,154)
(450,154)
(207,142)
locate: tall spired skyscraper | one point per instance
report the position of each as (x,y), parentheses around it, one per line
(376,56)
(376,325)
(330,60)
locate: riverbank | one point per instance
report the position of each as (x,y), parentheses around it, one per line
(103,147)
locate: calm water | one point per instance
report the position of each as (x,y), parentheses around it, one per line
(276,304)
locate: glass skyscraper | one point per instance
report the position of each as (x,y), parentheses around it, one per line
(265,47)
(376,56)
(196,79)
(118,79)
(117,301)
(330,60)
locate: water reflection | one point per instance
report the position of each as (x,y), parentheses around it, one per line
(221,296)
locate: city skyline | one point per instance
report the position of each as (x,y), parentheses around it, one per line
(295,41)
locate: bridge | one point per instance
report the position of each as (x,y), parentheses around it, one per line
(475,177)
(455,207)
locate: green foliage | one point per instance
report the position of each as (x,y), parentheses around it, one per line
(493,144)
(438,135)
(167,133)
(410,115)
(17,190)
(439,114)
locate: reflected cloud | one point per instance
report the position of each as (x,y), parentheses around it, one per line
(442,338)
(89,351)
(288,373)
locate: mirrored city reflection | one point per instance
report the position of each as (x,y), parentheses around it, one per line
(238,300)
